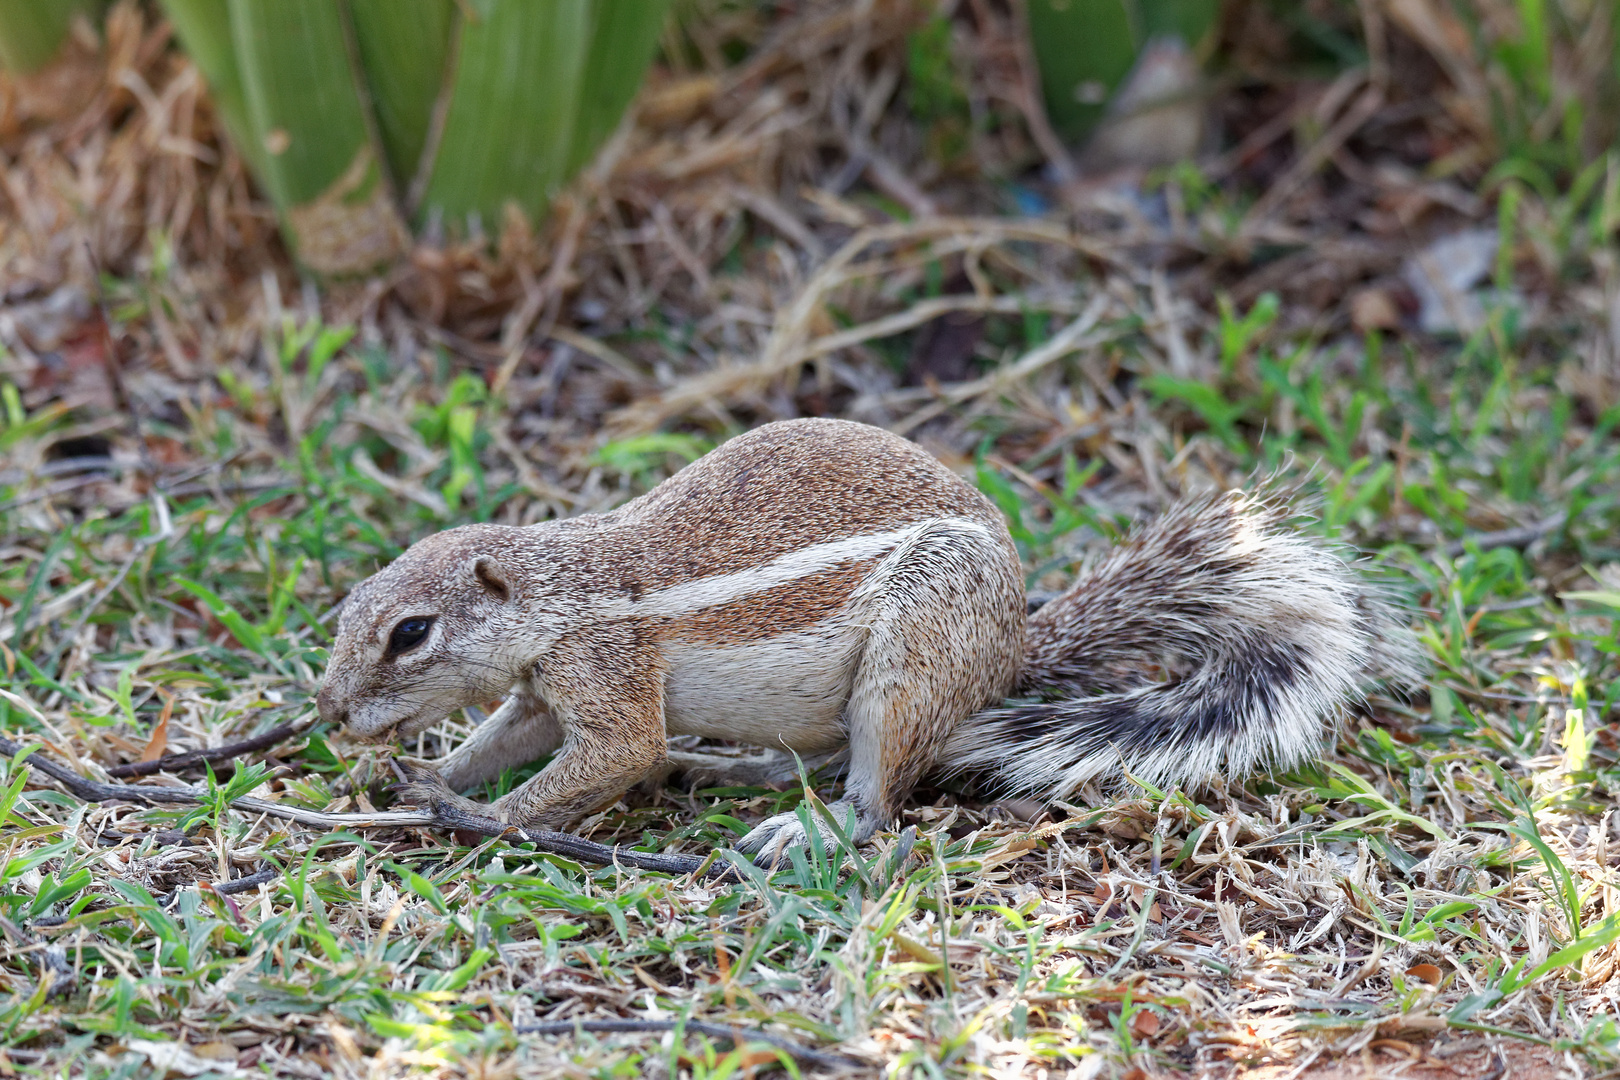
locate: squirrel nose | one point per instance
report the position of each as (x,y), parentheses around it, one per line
(329,709)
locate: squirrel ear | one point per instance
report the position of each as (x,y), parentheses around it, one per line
(492,578)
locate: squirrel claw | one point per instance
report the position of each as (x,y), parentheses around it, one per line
(425,789)
(770,840)
(422,787)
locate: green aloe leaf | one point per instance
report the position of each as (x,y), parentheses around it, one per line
(1085,49)
(319,163)
(536,88)
(352,113)
(623,37)
(204,29)
(31,31)
(403,47)
(513,102)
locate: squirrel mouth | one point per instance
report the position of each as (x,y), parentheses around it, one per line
(410,726)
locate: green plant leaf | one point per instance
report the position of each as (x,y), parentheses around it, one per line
(403,46)
(31,31)
(533,87)
(244,631)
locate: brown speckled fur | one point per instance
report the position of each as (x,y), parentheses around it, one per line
(819,584)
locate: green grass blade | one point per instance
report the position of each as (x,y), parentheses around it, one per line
(244,632)
(320,166)
(31,31)
(403,47)
(1601,937)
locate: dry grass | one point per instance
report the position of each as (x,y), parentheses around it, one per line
(785,230)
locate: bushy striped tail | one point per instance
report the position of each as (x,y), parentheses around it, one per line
(1216,639)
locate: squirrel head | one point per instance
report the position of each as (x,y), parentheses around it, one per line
(447,624)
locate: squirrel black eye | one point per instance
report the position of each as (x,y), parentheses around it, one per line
(408,635)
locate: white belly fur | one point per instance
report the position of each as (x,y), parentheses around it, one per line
(785,692)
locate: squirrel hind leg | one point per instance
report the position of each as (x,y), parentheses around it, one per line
(944,620)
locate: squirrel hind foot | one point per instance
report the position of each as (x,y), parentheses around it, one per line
(771,839)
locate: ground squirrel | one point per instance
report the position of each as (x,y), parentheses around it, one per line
(818,586)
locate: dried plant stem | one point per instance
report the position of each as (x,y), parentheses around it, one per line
(1071,339)
(789,345)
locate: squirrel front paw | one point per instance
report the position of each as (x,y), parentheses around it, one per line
(425,789)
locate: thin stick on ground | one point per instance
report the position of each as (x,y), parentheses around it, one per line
(55,972)
(1520,537)
(442,817)
(248,883)
(213,755)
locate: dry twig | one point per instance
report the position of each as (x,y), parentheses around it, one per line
(171,762)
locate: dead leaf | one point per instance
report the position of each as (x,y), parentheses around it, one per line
(160,733)
(178,1059)
(342,231)
(218,1050)
(1145,1024)
(678,101)
(1123,828)
(1373,309)
(1414,1022)
(916,950)
(1426,973)
(1009,851)
(648,981)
